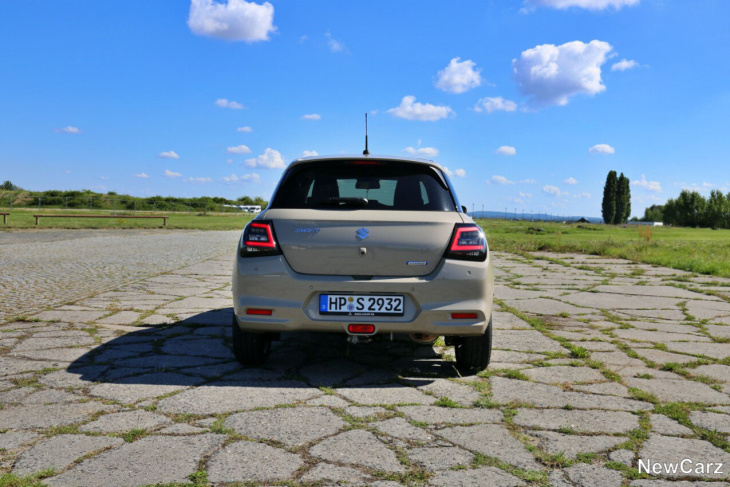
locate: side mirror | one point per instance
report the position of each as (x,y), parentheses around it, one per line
(464,210)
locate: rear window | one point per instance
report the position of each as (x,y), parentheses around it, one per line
(372,185)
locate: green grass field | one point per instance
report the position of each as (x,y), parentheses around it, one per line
(699,250)
(23,219)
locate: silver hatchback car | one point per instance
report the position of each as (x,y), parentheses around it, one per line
(364,245)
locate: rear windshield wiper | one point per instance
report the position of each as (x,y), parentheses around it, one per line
(354,202)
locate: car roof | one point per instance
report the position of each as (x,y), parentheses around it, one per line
(417,160)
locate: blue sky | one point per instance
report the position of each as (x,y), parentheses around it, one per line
(528,103)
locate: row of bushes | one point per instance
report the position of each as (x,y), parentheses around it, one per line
(13,196)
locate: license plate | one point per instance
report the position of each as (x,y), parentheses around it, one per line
(361,305)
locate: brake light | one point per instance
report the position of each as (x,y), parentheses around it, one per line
(361,329)
(365,163)
(467,243)
(258,240)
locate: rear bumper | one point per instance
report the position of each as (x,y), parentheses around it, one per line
(453,287)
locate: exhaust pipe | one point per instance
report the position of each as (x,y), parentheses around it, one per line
(424,338)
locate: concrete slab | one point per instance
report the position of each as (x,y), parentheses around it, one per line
(357,447)
(491,440)
(233,463)
(290,426)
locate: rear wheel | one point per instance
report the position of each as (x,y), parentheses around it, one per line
(248,347)
(473,353)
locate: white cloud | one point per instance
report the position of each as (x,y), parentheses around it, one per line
(141,175)
(649,185)
(525,195)
(708,185)
(198,180)
(68,130)
(551,74)
(312,116)
(232,20)
(270,159)
(506,150)
(245,178)
(460,173)
(601,149)
(245,129)
(495,104)
(171,174)
(582,195)
(239,149)
(422,151)
(501,180)
(412,110)
(168,155)
(309,153)
(223,103)
(104,177)
(586,4)
(554,190)
(528,181)
(623,65)
(571,180)
(334,44)
(459,77)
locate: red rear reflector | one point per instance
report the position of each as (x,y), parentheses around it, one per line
(257,311)
(463,316)
(361,328)
(259,235)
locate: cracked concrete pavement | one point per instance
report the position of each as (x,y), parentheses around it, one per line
(599,366)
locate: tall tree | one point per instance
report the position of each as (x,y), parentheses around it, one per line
(716,211)
(609,197)
(653,213)
(627,197)
(618,217)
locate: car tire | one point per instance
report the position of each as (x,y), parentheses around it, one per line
(248,347)
(473,353)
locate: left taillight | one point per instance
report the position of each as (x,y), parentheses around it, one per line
(258,240)
(467,243)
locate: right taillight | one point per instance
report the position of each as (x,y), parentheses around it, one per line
(467,243)
(258,240)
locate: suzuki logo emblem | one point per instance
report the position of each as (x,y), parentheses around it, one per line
(363,233)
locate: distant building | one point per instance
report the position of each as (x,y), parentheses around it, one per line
(582,220)
(246,208)
(649,224)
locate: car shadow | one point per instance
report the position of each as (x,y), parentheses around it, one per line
(198,351)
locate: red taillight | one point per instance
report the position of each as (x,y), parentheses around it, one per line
(365,163)
(366,329)
(258,240)
(259,235)
(467,243)
(463,316)
(259,311)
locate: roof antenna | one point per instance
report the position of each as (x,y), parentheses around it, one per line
(366,152)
